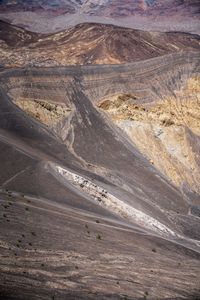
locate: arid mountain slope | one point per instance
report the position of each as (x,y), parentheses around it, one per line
(106,7)
(84,214)
(117,8)
(54,6)
(88,44)
(53,16)
(15,36)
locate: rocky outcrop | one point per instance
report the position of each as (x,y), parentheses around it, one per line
(162,130)
(47,113)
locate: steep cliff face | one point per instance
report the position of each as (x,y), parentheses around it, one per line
(164,130)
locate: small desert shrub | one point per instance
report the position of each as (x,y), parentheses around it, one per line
(98,237)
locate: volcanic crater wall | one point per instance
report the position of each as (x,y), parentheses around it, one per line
(143,80)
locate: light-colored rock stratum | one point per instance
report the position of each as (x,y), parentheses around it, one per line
(162,130)
(46,112)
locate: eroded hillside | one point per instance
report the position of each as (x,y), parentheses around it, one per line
(84,214)
(88,44)
(163,130)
